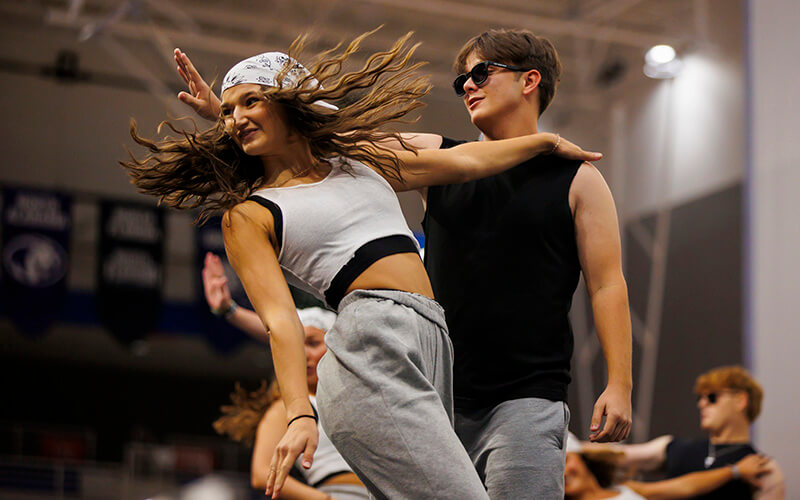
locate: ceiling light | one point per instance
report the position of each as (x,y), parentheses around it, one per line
(659,54)
(661,62)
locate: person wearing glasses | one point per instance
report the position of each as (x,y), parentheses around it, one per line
(596,474)
(504,255)
(729,400)
(308,194)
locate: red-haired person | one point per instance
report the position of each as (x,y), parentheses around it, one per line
(729,400)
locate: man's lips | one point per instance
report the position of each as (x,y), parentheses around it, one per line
(473,101)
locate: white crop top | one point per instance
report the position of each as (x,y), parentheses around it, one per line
(330,231)
(327,461)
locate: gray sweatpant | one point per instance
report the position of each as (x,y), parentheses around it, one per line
(385,398)
(518,447)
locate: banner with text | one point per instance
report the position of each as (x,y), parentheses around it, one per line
(130,269)
(35,256)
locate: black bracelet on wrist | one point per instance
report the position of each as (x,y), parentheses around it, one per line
(225,312)
(302,416)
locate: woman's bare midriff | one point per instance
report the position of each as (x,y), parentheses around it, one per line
(402,271)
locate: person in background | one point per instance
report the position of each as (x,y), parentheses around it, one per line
(259,418)
(218,297)
(594,475)
(729,400)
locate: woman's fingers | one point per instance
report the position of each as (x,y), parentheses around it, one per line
(272,474)
(572,151)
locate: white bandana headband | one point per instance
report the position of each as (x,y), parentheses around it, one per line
(263,69)
(573,443)
(317,317)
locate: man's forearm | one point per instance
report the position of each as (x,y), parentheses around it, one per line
(686,486)
(613,324)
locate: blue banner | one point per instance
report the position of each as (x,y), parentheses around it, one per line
(36,230)
(130,269)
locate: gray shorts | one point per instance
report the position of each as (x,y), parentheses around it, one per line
(385,398)
(518,447)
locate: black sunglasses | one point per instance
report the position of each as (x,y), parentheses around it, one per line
(713,397)
(479,73)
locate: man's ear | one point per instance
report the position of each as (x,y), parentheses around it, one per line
(531,80)
(742,400)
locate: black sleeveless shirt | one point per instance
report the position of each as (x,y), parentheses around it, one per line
(503,261)
(688,455)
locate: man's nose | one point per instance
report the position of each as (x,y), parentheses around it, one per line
(469,85)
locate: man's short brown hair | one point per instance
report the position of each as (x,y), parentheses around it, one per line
(517,47)
(733,378)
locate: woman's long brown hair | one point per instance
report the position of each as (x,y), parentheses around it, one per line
(240,419)
(207,170)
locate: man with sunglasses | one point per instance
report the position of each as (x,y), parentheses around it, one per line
(729,400)
(504,256)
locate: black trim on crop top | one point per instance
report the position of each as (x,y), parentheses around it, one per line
(277,216)
(368,254)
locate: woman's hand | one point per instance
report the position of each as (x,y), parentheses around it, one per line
(302,436)
(752,467)
(215,284)
(571,151)
(201,98)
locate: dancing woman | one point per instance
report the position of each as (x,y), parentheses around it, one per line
(308,195)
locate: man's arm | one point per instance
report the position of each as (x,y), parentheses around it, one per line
(749,469)
(599,250)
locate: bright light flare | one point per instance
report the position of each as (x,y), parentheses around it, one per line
(661,62)
(659,54)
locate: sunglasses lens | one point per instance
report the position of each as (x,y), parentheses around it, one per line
(458,85)
(711,397)
(480,72)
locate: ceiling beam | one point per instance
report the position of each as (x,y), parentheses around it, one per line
(545,25)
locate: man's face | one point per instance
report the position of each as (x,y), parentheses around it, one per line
(718,408)
(500,94)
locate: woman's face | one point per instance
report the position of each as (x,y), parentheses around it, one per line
(315,349)
(575,475)
(258,126)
